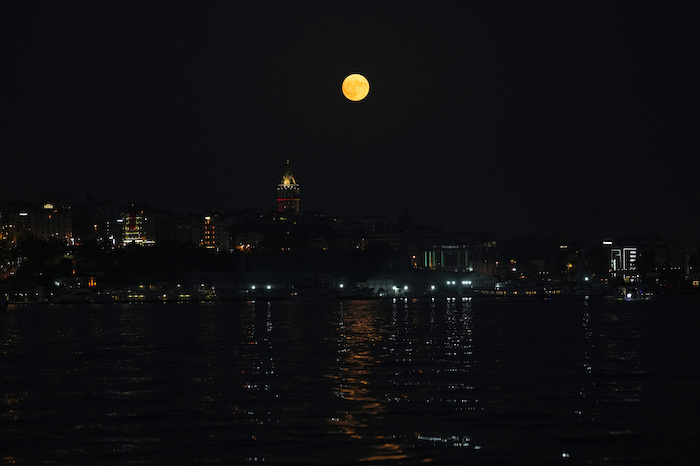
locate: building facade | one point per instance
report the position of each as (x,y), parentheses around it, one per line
(43,219)
(214,236)
(137,227)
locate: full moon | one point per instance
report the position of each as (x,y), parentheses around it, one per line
(355,87)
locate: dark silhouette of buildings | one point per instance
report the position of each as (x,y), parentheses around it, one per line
(296,247)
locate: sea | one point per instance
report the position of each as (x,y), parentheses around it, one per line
(572,380)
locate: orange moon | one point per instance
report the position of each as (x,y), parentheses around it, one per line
(355,87)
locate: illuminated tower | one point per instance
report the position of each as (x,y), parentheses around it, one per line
(209,236)
(288,193)
(213,234)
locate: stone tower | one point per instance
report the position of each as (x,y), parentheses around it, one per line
(288,193)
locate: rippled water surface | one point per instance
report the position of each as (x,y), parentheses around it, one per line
(348,382)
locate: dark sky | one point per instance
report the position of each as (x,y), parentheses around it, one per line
(512,117)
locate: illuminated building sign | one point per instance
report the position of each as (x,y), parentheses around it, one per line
(623,260)
(629,255)
(445,257)
(615,260)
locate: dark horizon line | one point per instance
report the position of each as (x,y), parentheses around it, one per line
(574,236)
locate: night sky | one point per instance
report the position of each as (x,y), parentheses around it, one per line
(513,117)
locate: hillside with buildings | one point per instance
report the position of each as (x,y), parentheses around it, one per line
(52,247)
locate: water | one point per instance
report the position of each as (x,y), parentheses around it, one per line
(352,382)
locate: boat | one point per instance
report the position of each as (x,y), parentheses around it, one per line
(637,292)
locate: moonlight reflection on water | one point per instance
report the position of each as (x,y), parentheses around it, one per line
(341,382)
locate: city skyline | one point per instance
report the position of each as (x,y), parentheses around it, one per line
(508,117)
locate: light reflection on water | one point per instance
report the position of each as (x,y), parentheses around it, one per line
(359,333)
(341,382)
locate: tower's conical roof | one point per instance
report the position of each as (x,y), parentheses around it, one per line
(288,177)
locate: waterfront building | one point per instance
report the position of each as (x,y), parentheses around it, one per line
(443,257)
(623,263)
